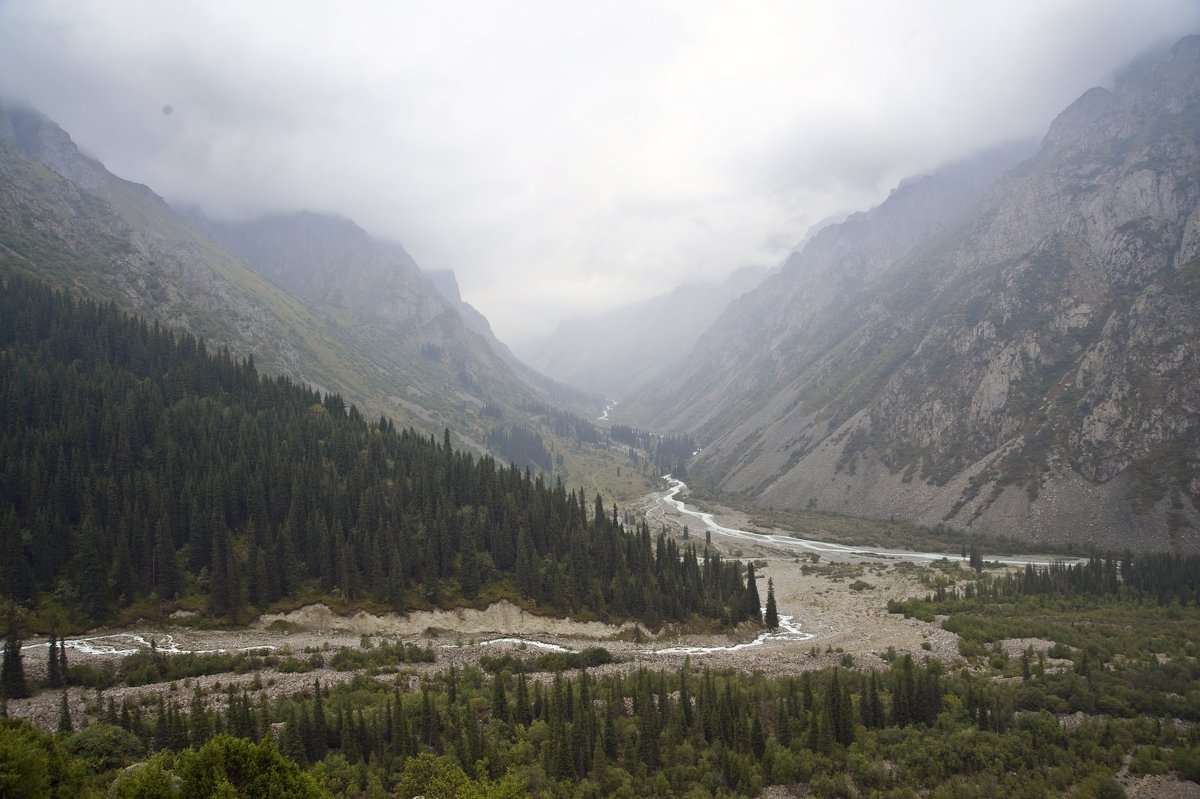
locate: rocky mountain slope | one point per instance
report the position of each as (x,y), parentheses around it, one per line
(566,395)
(310,296)
(1021,360)
(626,349)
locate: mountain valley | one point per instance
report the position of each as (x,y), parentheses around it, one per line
(914,513)
(1007,353)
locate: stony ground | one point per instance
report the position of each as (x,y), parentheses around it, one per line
(845,624)
(842,606)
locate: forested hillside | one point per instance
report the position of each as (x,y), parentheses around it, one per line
(312,297)
(137,465)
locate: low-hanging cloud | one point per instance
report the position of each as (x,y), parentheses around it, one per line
(561,158)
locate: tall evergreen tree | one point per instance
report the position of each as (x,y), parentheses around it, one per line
(522,713)
(499,699)
(53,675)
(319,733)
(771,617)
(752,603)
(64,714)
(12,671)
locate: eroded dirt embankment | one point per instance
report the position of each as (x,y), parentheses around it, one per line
(500,618)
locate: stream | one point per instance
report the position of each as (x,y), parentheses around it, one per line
(830,551)
(119,644)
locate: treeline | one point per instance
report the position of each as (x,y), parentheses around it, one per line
(668,454)
(908,730)
(1124,633)
(1161,577)
(519,445)
(630,721)
(567,424)
(137,465)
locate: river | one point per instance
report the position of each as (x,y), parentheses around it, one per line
(790,630)
(827,550)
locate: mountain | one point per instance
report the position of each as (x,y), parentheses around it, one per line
(141,468)
(447,285)
(565,393)
(1017,359)
(622,350)
(312,297)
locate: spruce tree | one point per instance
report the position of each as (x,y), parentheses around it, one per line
(523,712)
(12,671)
(499,699)
(320,737)
(752,602)
(772,614)
(53,676)
(64,714)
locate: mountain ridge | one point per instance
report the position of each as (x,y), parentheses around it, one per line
(1028,369)
(69,220)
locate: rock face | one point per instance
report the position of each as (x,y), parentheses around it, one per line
(310,296)
(565,394)
(335,267)
(1018,358)
(66,219)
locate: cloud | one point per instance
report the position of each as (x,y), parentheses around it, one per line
(561,158)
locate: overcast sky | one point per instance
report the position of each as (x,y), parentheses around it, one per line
(561,157)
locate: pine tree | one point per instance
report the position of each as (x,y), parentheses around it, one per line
(523,713)
(752,603)
(840,711)
(12,671)
(53,675)
(871,710)
(499,699)
(320,739)
(64,714)
(198,720)
(772,614)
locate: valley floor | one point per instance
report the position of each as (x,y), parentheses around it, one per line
(840,610)
(834,605)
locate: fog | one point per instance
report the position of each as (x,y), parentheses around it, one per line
(561,158)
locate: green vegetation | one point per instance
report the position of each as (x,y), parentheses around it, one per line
(1123,660)
(520,446)
(665,454)
(148,667)
(550,661)
(912,729)
(223,766)
(1128,629)
(142,471)
(383,655)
